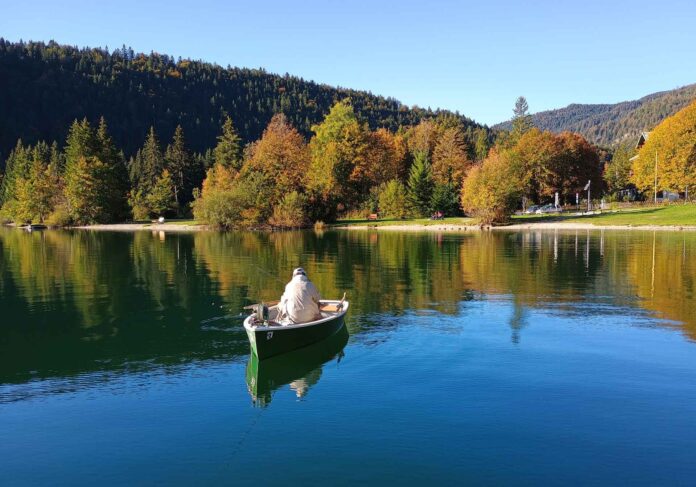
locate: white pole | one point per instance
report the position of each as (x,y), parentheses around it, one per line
(656,176)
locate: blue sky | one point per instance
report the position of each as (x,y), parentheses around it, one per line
(475,57)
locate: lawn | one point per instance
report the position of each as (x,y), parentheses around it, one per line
(676,214)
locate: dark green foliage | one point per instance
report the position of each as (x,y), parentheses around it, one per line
(186,171)
(148,164)
(612,124)
(228,150)
(445,199)
(45,86)
(420,184)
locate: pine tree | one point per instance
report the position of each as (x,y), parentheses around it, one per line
(482,144)
(420,183)
(151,163)
(81,142)
(116,181)
(182,167)
(16,167)
(228,150)
(84,190)
(521,120)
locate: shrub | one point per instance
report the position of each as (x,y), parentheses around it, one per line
(219,208)
(290,212)
(393,200)
(59,217)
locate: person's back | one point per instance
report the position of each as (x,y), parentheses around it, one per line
(300,301)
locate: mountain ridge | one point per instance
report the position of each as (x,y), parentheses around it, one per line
(610,124)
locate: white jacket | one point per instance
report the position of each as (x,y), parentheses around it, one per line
(300,301)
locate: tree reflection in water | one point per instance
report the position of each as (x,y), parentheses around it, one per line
(79,302)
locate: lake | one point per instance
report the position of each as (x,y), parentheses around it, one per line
(482,358)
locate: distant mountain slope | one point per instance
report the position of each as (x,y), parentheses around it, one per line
(45,86)
(611,124)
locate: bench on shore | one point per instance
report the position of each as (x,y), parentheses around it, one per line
(372,217)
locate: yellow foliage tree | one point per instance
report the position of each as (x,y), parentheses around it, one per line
(673,144)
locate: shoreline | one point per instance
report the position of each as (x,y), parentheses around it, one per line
(416,227)
(515,227)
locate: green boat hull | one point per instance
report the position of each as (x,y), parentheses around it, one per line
(273,340)
(264,377)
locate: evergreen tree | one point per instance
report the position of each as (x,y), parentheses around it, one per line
(521,120)
(84,190)
(116,182)
(420,184)
(81,142)
(445,199)
(148,164)
(228,150)
(182,168)
(482,144)
(16,167)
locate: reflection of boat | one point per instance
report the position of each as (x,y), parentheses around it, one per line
(32,227)
(268,337)
(300,368)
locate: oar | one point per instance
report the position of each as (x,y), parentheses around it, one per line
(267,303)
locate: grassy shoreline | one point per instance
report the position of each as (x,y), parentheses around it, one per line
(672,217)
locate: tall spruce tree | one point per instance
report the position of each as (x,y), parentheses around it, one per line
(420,183)
(148,164)
(228,150)
(521,119)
(116,183)
(182,168)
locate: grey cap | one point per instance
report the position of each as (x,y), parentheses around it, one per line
(299,271)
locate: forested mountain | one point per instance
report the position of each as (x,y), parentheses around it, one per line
(45,86)
(611,124)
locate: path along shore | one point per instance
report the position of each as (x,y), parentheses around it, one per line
(516,226)
(176,227)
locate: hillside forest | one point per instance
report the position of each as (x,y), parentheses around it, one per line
(349,163)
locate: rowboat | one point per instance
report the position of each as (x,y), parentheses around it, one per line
(301,369)
(268,337)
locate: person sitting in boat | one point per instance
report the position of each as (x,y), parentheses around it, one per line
(300,301)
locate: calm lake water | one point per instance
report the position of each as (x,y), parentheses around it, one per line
(521,357)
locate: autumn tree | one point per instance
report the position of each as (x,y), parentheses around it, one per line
(671,149)
(617,171)
(340,146)
(423,137)
(450,158)
(281,156)
(492,190)
(386,158)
